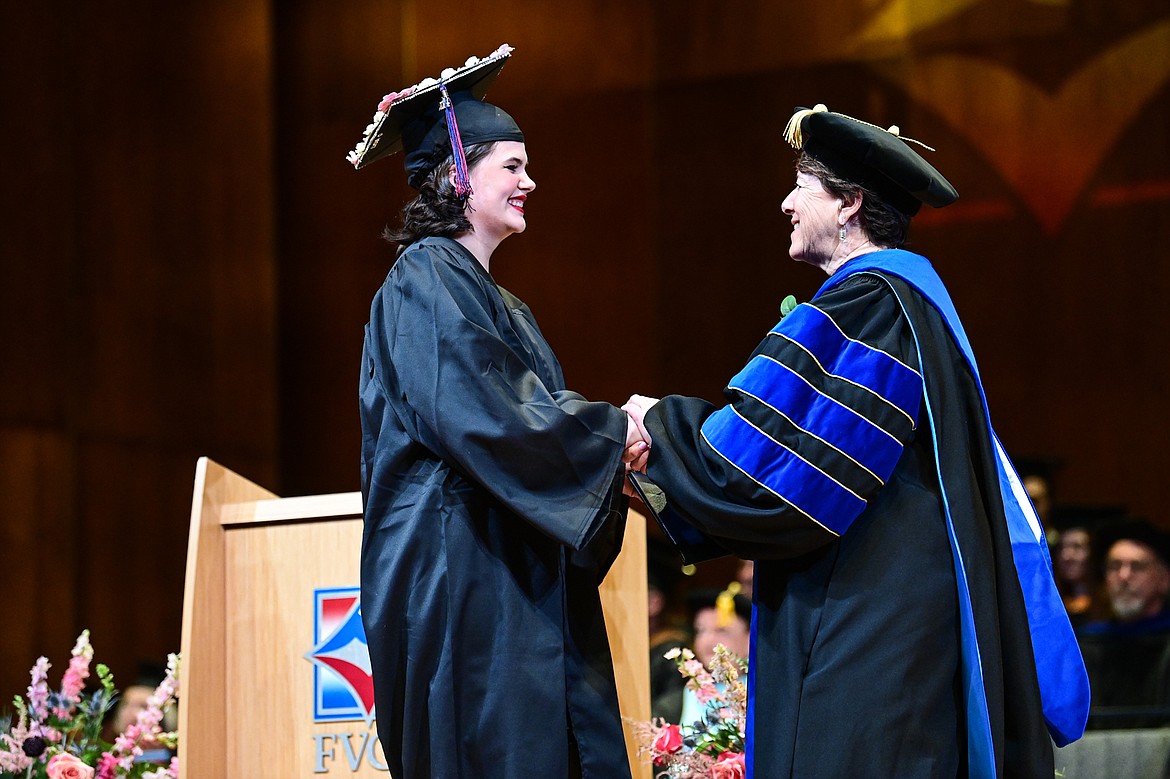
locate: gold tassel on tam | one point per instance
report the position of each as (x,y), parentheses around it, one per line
(795,135)
(792,132)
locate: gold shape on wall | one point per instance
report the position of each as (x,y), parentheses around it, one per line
(900,19)
(1045,146)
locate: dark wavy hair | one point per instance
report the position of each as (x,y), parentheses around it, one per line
(881,222)
(436,210)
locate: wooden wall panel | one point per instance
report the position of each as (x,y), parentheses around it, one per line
(139,306)
(37,198)
(39,552)
(332,63)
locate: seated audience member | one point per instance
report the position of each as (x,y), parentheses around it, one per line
(663,573)
(719,617)
(133,700)
(1128,655)
(1037,475)
(1075,561)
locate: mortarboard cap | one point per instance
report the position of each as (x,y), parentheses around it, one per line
(415,120)
(877,159)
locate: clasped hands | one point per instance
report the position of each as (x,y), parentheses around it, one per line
(637,451)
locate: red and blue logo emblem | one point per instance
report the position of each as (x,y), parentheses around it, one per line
(343,688)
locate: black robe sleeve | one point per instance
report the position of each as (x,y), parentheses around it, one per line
(813,427)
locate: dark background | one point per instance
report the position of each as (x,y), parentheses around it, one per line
(188,259)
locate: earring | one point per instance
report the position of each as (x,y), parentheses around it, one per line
(842,233)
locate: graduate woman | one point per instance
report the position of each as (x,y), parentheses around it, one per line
(493,495)
(906,623)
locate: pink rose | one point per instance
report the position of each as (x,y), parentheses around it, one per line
(66,766)
(729,765)
(669,740)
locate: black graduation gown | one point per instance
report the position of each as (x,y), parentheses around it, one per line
(855,655)
(492,511)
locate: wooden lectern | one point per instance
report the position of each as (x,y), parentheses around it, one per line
(269,686)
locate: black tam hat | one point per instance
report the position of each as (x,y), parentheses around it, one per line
(1139,530)
(876,159)
(430,119)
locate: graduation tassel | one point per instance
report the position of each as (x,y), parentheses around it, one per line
(792,131)
(462,179)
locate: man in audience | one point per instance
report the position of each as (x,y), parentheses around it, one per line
(1128,655)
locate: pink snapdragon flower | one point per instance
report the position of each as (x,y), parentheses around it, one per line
(73,682)
(146,726)
(38,690)
(107,767)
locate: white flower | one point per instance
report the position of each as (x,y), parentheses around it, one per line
(673,653)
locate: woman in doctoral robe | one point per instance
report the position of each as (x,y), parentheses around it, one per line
(493,500)
(905,619)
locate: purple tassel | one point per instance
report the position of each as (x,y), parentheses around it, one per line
(462,180)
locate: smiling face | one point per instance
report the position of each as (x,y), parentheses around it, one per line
(500,184)
(815,226)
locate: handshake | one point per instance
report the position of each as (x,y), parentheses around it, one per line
(637,451)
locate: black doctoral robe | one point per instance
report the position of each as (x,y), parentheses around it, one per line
(823,469)
(492,511)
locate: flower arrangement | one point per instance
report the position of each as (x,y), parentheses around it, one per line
(713,746)
(58,735)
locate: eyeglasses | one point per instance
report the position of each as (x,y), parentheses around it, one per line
(1136,566)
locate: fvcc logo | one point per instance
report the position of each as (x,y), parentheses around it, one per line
(343,689)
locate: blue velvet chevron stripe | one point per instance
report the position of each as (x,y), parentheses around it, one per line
(804,402)
(1060,671)
(843,428)
(853,361)
(808,489)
